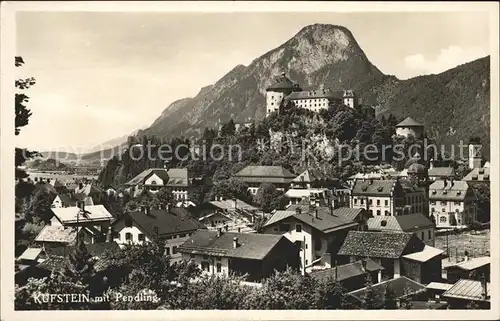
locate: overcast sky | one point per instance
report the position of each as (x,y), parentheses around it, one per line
(103,75)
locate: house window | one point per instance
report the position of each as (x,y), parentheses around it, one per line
(128,236)
(429,234)
(191,256)
(457,203)
(362,201)
(298,228)
(284,227)
(378,202)
(387,213)
(174,250)
(370,202)
(378,212)
(386,202)
(167,251)
(443,210)
(356,201)
(442,219)
(443,203)
(141,237)
(433,202)
(219,267)
(205,266)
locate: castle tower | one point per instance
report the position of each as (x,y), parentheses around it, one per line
(275,94)
(475,157)
(349,98)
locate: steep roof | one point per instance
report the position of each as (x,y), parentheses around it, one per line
(401,286)
(346,271)
(283,82)
(141,177)
(454,192)
(308,176)
(57,234)
(472,263)
(178,177)
(468,290)
(88,189)
(376,187)
(270,174)
(251,246)
(478,174)
(409,122)
(377,244)
(315,94)
(171,221)
(326,222)
(400,223)
(441,172)
(92,213)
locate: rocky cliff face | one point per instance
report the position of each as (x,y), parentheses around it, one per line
(453,105)
(319,55)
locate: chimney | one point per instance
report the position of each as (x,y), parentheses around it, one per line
(235,242)
(431,165)
(363,264)
(239,229)
(484,286)
(226,227)
(298,211)
(219,232)
(167,207)
(234,203)
(445,182)
(316,212)
(146,210)
(466,256)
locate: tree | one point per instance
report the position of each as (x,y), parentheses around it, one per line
(165,196)
(230,188)
(21,119)
(228,129)
(369,299)
(389,299)
(269,198)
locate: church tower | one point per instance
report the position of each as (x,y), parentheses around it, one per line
(475,157)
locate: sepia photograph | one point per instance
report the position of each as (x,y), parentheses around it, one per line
(250,156)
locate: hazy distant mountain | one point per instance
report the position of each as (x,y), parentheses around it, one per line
(112,142)
(452,105)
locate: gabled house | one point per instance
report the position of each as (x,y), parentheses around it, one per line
(312,179)
(470,268)
(440,173)
(401,254)
(63,200)
(452,203)
(91,191)
(466,292)
(153,179)
(318,231)
(95,216)
(174,225)
(404,290)
(423,227)
(410,127)
(378,197)
(478,175)
(254,176)
(351,276)
(254,255)
(59,236)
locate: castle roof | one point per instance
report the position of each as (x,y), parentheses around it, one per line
(283,82)
(409,122)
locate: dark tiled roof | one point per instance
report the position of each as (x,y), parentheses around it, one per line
(401,287)
(375,187)
(140,178)
(283,82)
(308,176)
(441,172)
(401,223)
(175,220)
(326,222)
(56,234)
(251,246)
(409,122)
(456,192)
(346,271)
(349,213)
(315,94)
(478,174)
(377,244)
